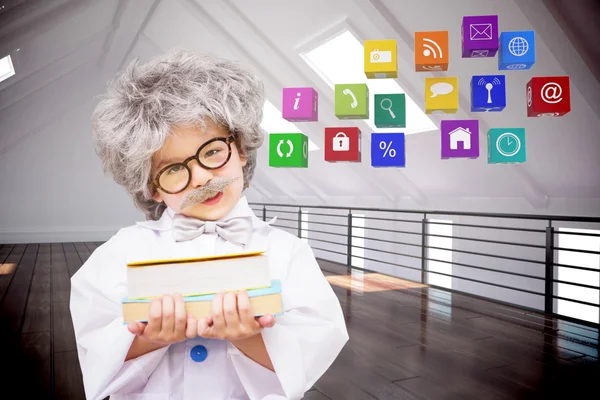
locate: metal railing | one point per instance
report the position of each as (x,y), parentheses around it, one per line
(529,267)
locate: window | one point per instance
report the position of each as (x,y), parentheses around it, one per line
(445,229)
(6,68)
(341,60)
(273,122)
(577,259)
(304,225)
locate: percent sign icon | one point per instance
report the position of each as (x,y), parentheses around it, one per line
(388,149)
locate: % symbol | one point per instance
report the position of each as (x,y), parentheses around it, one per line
(388,149)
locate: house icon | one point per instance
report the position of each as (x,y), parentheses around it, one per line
(460,135)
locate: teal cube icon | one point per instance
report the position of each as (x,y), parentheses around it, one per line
(352,101)
(506,146)
(288,150)
(390,110)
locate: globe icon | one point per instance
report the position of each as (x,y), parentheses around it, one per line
(518,46)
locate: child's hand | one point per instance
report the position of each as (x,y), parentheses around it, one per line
(167,321)
(233,319)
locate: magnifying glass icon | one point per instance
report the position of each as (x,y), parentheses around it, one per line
(389,107)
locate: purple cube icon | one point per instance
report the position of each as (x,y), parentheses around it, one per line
(300,104)
(479,36)
(460,138)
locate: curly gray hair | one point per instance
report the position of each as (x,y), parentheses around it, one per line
(181,87)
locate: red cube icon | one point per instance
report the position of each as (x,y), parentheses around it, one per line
(342,144)
(548,96)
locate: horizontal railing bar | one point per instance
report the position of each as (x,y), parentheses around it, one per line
(489,227)
(487,255)
(387,262)
(540,217)
(326,233)
(330,251)
(576,250)
(576,301)
(487,269)
(557,231)
(327,215)
(388,230)
(387,252)
(327,241)
(386,241)
(328,224)
(287,219)
(486,283)
(537,246)
(577,284)
(577,267)
(388,219)
(282,211)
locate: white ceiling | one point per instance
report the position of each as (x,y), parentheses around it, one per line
(64,51)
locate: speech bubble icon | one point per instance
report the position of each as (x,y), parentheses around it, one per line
(441,88)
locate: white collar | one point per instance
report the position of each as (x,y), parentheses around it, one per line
(242,208)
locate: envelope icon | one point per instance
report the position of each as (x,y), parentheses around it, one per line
(480,31)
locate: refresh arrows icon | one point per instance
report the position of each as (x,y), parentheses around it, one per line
(290,145)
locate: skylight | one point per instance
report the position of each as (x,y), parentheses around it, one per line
(6,68)
(273,122)
(341,60)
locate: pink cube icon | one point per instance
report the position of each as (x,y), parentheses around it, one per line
(300,104)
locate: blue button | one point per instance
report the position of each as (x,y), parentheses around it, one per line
(199,353)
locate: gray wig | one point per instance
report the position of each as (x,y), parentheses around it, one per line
(135,117)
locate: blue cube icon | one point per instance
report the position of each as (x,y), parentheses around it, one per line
(387,150)
(517,50)
(488,93)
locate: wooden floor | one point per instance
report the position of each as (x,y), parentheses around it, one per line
(407,341)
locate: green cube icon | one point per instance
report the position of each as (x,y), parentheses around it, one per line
(390,110)
(352,101)
(506,146)
(288,150)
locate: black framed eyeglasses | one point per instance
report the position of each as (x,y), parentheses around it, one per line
(174,178)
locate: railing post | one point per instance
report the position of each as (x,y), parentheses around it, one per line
(423,249)
(300,222)
(264,213)
(549,303)
(349,249)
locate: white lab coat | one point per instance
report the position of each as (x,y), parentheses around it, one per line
(302,345)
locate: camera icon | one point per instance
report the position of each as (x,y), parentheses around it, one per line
(377,56)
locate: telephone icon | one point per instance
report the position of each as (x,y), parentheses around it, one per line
(354,103)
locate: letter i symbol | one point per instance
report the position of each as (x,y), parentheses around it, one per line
(297,102)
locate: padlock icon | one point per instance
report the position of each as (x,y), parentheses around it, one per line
(341,142)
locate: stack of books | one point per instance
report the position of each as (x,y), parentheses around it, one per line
(198,280)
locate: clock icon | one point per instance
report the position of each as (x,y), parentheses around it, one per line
(508,144)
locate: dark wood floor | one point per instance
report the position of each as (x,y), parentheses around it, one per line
(405,343)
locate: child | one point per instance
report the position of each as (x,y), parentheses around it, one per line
(180,134)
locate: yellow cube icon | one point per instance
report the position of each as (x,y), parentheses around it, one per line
(441,95)
(381,59)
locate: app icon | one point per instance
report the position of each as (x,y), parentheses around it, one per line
(380,59)
(390,110)
(488,93)
(441,95)
(342,144)
(300,104)
(460,139)
(517,50)
(288,150)
(352,101)
(387,150)
(506,146)
(479,36)
(548,96)
(431,51)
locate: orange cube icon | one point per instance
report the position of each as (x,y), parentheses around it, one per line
(431,51)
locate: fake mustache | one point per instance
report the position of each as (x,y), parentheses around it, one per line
(211,189)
